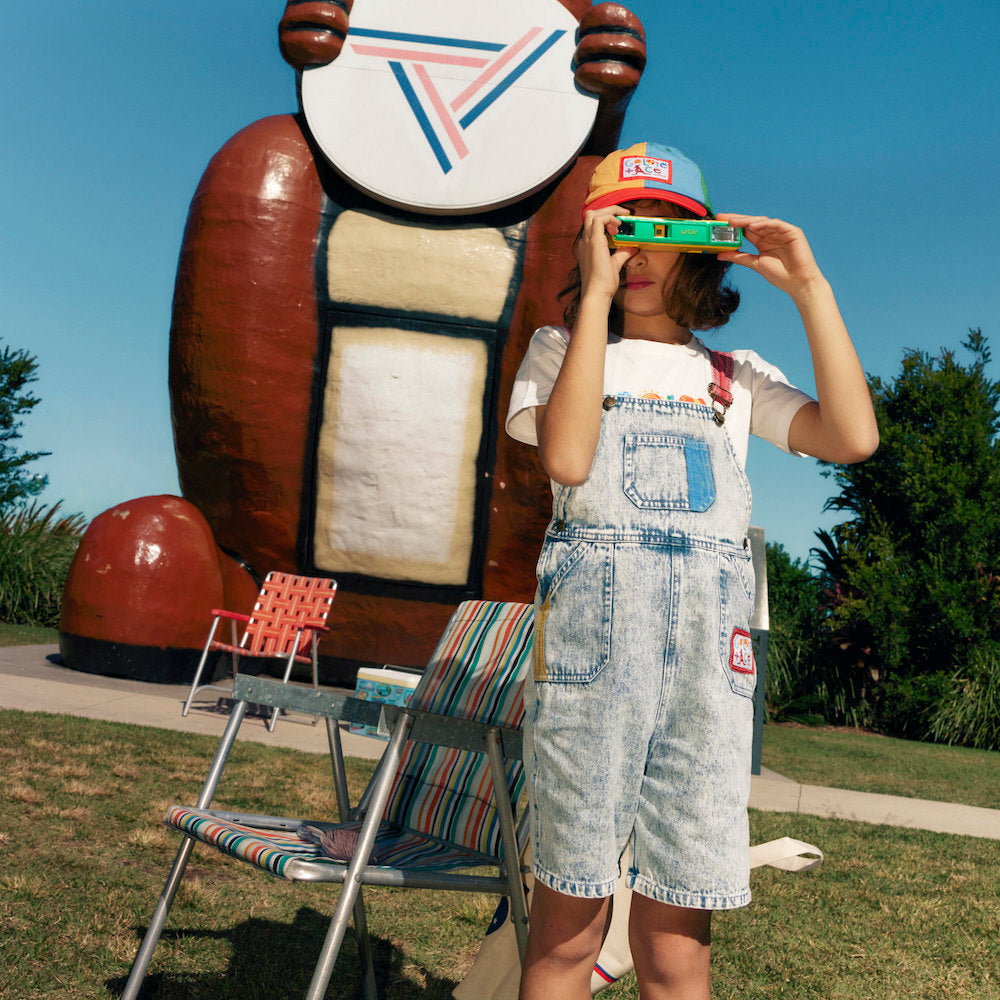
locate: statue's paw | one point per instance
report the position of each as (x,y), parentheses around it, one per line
(312,32)
(610,51)
(141,588)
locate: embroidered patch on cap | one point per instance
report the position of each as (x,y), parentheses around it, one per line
(741,652)
(646,168)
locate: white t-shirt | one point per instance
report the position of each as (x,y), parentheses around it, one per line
(763,400)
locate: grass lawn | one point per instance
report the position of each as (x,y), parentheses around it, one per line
(866,762)
(891,914)
(27,635)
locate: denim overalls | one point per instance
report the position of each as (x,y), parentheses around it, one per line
(640,710)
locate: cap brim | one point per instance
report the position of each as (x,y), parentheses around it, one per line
(637,194)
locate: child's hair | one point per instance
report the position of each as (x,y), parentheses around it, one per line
(698,299)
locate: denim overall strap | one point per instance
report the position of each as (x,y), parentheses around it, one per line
(720,386)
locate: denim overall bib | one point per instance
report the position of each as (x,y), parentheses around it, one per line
(639,713)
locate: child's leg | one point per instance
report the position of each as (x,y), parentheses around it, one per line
(670,948)
(564,940)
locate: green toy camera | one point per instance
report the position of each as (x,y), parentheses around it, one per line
(685,235)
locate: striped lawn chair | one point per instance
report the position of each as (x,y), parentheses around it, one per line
(443,798)
(288,616)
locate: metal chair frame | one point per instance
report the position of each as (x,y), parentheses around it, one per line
(500,745)
(266,631)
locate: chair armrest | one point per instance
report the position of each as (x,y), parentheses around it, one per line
(298,698)
(461,734)
(233,615)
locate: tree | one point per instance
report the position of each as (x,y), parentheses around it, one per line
(17,370)
(915,575)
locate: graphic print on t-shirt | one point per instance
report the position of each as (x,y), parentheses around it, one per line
(652,394)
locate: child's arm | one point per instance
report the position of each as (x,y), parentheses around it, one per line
(840,427)
(569,425)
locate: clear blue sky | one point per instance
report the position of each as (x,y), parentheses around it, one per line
(875,126)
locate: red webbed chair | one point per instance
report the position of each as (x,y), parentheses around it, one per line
(289,615)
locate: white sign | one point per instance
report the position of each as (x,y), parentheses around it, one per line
(452,106)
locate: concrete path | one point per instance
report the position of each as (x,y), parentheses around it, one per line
(33,679)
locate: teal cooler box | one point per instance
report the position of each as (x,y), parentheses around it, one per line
(389,685)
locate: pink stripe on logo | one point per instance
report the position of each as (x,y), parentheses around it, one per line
(493,69)
(415,55)
(442,112)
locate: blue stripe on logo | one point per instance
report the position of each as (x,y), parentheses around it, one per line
(418,111)
(402,36)
(510,79)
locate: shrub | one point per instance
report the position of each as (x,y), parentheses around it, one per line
(906,705)
(917,568)
(969,712)
(36,548)
(793,653)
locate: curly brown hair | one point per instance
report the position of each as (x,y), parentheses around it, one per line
(698,298)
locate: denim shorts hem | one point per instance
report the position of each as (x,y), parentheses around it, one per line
(585,890)
(689,900)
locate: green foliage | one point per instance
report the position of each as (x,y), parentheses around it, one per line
(36,548)
(906,705)
(969,712)
(17,371)
(915,575)
(794,639)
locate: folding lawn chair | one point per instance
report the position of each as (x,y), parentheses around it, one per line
(289,613)
(444,796)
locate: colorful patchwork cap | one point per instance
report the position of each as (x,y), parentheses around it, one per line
(648,170)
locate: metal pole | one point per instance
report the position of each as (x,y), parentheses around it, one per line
(352,879)
(159,918)
(512,859)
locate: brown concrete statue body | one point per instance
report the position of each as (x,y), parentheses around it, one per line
(291,282)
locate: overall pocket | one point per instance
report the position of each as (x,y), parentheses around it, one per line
(667,472)
(573,611)
(736,590)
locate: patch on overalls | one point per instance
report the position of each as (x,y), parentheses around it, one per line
(741,652)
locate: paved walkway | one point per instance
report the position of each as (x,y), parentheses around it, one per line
(33,679)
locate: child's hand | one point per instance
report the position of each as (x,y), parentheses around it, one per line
(600,267)
(783,255)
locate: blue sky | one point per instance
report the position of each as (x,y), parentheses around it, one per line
(875,126)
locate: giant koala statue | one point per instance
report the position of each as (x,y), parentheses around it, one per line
(346,329)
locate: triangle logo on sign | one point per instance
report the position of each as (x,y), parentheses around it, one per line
(412,59)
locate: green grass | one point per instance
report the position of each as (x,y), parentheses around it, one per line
(27,635)
(891,914)
(866,762)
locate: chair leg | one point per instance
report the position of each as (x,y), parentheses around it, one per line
(157,921)
(201,667)
(344,815)
(315,666)
(159,918)
(315,661)
(339,771)
(508,835)
(366,841)
(365,956)
(284,679)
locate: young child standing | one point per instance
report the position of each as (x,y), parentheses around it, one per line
(639,713)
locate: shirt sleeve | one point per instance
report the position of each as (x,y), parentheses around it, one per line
(534,380)
(775,401)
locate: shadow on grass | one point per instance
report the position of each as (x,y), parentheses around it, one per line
(275,961)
